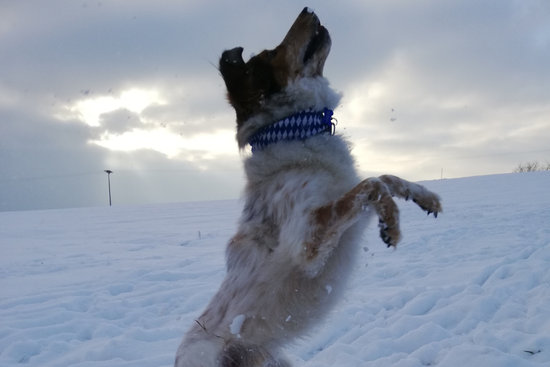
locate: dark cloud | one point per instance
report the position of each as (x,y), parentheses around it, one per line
(119,121)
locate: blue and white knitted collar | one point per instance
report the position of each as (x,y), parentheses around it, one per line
(299,126)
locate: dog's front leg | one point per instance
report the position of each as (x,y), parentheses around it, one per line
(424,198)
(329,221)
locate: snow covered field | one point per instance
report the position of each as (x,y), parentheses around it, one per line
(118,286)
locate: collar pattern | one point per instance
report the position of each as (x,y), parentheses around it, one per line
(299,126)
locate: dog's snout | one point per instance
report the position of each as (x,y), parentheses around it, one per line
(307,10)
(308,13)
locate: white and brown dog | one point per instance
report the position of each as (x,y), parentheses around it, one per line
(305,206)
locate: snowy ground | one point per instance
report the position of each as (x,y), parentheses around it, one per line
(119,286)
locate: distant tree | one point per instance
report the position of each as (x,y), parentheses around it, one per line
(532,167)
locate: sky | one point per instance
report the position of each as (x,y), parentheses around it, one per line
(432,89)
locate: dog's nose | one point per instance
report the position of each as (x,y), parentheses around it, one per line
(307,10)
(233,56)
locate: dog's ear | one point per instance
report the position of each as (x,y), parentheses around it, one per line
(233,68)
(234,73)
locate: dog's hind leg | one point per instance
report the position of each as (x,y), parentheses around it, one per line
(425,199)
(199,348)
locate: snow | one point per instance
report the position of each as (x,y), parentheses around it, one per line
(236,325)
(119,286)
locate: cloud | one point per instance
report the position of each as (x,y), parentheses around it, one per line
(132,86)
(119,121)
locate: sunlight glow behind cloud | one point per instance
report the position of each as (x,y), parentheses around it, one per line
(219,142)
(134,100)
(149,133)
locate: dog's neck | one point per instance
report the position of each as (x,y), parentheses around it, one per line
(299,126)
(299,95)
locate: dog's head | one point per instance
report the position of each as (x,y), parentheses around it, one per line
(301,54)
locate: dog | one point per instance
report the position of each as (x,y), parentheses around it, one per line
(305,207)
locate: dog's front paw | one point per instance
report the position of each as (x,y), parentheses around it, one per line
(428,201)
(388,221)
(390,235)
(404,189)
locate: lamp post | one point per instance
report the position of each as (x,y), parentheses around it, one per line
(109,182)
